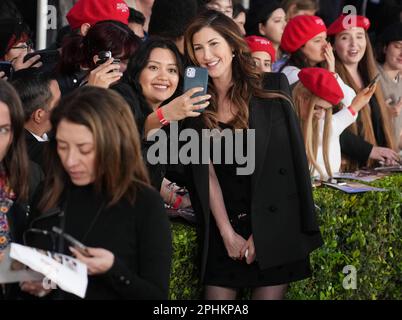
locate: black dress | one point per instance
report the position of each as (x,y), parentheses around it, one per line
(221,270)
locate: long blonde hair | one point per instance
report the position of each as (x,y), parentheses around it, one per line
(363,126)
(305,100)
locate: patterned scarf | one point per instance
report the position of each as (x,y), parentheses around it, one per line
(7,197)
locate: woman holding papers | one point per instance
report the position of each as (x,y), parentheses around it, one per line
(98,182)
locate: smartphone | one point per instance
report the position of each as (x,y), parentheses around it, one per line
(81,248)
(374,81)
(7,68)
(105,56)
(48,57)
(196,77)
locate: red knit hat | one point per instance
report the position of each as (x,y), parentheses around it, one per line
(299,30)
(345,22)
(257,43)
(93,11)
(321,83)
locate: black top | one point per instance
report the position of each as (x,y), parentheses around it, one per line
(354,146)
(138,235)
(283,219)
(236,189)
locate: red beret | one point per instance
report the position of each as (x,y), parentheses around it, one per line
(345,22)
(321,83)
(93,11)
(299,30)
(257,43)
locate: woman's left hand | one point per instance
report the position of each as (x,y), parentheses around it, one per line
(329,57)
(100,262)
(248,251)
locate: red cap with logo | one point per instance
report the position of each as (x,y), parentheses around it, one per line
(345,22)
(321,83)
(257,43)
(299,30)
(93,11)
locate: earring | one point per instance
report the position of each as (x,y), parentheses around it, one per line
(233,55)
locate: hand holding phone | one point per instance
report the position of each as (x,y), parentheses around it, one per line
(80,247)
(105,56)
(374,81)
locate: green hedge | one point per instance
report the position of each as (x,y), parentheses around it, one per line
(362,230)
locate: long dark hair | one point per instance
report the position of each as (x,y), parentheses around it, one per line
(140,60)
(119,170)
(15,161)
(247,82)
(108,35)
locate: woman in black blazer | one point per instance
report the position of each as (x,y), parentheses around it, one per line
(97,190)
(258,229)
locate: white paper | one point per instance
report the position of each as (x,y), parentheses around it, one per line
(9,274)
(68,273)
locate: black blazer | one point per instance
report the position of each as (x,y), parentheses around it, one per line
(35,149)
(276,82)
(138,235)
(284,223)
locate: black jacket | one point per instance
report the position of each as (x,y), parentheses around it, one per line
(276,82)
(138,235)
(283,213)
(35,149)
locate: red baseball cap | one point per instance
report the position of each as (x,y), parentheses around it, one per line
(345,22)
(93,11)
(321,83)
(299,30)
(257,43)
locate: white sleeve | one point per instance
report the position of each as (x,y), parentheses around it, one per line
(348,93)
(341,120)
(292,73)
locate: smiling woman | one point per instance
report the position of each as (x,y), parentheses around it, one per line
(251,228)
(370,139)
(154,75)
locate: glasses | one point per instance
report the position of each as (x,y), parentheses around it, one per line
(27,46)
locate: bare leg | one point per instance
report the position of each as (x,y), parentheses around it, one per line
(270,293)
(220,293)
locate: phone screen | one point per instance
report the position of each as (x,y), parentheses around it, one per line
(196,77)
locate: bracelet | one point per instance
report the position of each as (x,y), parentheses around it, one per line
(178,201)
(353,112)
(161,117)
